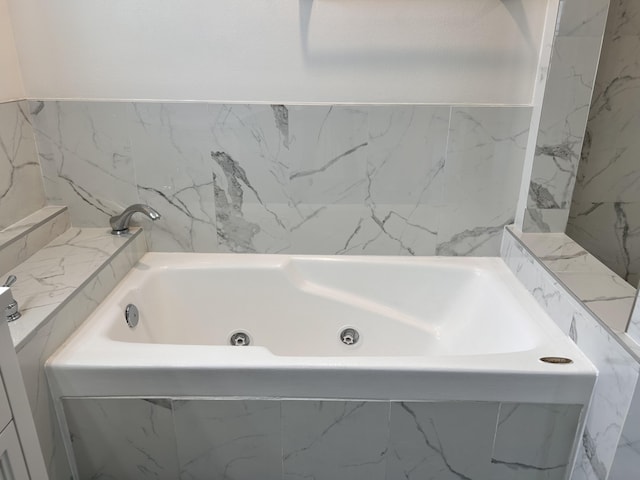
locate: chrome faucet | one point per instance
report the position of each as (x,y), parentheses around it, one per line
(11,312)
(120,223)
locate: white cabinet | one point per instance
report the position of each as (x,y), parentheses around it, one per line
(5,410)
(12,465)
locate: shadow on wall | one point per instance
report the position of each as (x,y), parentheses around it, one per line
(374,48)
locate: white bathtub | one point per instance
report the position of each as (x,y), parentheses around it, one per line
(430,329)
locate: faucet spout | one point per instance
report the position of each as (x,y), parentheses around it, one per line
(120,223)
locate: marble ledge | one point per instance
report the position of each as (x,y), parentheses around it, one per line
(24,238)
(50,278)
(28,224)
(607,296)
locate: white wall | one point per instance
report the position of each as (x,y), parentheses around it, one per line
(432,51)
(10,80)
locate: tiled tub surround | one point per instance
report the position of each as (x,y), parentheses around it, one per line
(245,439)
(605,213)
(409,180)
(617,366)
(21,191)
(565,107)
(57,288)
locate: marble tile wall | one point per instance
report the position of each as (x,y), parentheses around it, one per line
(605,213)
(409,180)
(21,192)
(565,107)
(194,439)
(617,368)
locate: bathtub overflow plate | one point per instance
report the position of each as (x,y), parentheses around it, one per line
(240,339)
(349,336)
(556,360)
(131,315)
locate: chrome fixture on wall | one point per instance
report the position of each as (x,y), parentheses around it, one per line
(120,223)
(11,312)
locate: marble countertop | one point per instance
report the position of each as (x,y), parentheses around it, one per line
(49,278)
(600,289)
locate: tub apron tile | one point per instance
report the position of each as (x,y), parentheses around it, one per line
(122,438)
(330,440)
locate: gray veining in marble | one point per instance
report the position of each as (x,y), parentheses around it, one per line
(627,459)
(334,439)
(441,440)
(235,439)
(85,156)
(21,191)
(484,165)
(563,122)
(534,441)
(340,179)
(606,204)
(239,439)
(110,436)
(565,108)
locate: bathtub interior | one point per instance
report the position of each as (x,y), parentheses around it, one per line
(277,439)
(299,306)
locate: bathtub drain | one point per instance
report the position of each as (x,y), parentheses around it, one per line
(131,315)
(349,336)
(240,339)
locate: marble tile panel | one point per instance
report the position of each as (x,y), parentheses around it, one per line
(545,219)
(334,439)
(563,122)
(608,170)
(534,441)
(251,163)
(122,438)
(23,239)
(618,370)
(328,150)
(21,190)
(172,145)
(582,18)
(482,176)
(252,143)
(406,154)
(86,159)
(624,19)
(611,232)
(238,439)
(245,224)
(362,229)
(441,440)
(627,459)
